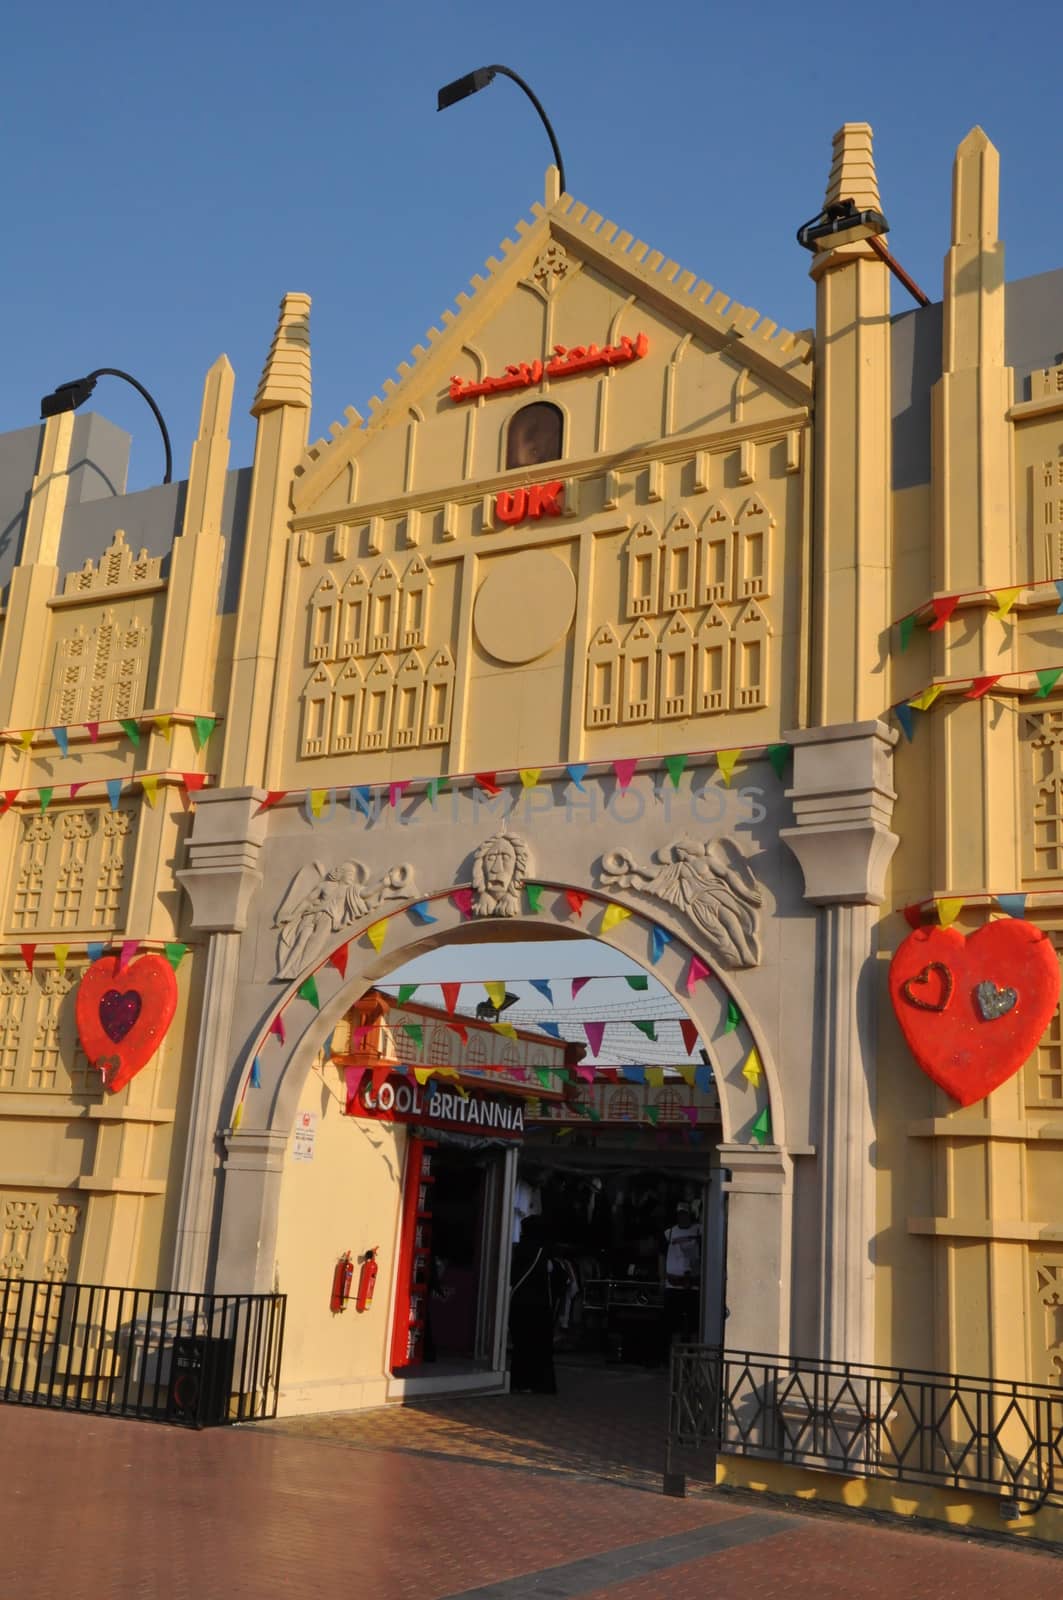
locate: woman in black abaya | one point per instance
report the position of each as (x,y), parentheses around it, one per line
(532,1305)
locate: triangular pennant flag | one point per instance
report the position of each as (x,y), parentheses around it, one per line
(703,1079)
(432,788)
(128,950)
(9,798)
(376,934)
(534,891)
(578,984)
(689,1030)
(543,1075)
(726,760)
(943,608)
(61,952)
(496,993)
(255,1081)
(93,730)
(687,1074)
(307,990)
(114,791)
(1013,905)
(542,986)
(1005,599)
(28,953)
(131,728)
(612,916)
(655,1077)
(734,1016)
(204,728)
(625,770)
(407,992)
(691,1114)
(460,1029)
(550,1028)
(415,1031)
(379,1076)
(982,686)
(462,899)
(422,913)
(95,950)
(577,771)
(529,776)
(638,981)
(238,1116)
(779,755)
(575,901)
(272,795)
(506,1029)
(752,1072)
(74,787)
(486,781)
(276,1027)
(948,910)
(360,799)
(923,701)
(760,1129)
(1047,678)
(697,972)
(913,915)
(396,791)
(594,1032)
(659,937)
(317,801)
(634,1074)
(354,1076)
(338,959)
(451,992)
(906,717)
(25,739)
(675,765)
(164,727)
(648,1028)
(62,739)
(45,797)
(653,1114)
(149,782)
(905,628)
(175,952)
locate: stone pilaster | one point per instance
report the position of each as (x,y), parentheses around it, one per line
(759,1226)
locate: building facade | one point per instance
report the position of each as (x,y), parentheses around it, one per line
(742,639)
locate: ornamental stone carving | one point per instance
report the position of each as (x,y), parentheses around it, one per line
(710,881)
(320,902)
(500,869)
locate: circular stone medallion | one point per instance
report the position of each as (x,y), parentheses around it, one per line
(524,606)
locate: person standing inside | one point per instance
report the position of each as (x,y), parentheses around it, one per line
(532,1308)
(682,1276)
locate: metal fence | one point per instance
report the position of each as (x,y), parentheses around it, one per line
(199,1360)
(898,1423)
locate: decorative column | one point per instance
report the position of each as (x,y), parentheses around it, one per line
(220,879)
(843,802)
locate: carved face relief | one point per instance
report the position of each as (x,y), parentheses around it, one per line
(499,872)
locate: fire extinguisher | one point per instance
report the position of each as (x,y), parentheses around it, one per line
(367,1280)
(341,1282)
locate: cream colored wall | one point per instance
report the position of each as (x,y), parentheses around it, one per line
(347,1198)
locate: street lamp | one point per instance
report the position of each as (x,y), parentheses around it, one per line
(68,396)
(473,82)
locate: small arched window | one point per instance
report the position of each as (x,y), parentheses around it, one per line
(535,435)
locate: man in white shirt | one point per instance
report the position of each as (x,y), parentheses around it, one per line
(682,1274)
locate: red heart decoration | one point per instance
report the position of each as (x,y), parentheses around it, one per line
(967,1045)
(122,1017)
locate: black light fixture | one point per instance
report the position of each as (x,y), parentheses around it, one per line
(842,223)
(69,396)
(473,82)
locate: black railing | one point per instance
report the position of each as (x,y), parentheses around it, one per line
(901,1423)
(195,1359)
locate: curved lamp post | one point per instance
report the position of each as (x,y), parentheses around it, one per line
(472,82)
(68,396)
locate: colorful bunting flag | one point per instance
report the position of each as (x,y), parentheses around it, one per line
(128,950)
(575,901)
(114,791)
(577,771)
(376,934)
(95,950)
(675,765)
(697,972)
(9,798)
(625,770)
(93,730)
(734,1016)
(905,628)
(396,791)
(760,1129)
(542,986)
(338,958)
(703,1079)
(689,1030)
(634,1074)
(578,984)
(415,1031)
(655,1077)
(317,801)
(256,1075)
(1005,599)
(594,1032)
(752,1072)
(28,953)
(407,992)
(74,787)
(496,993)
(1013,905)
(422,913)
(25,739)
(906,719)
(529,777)
(948,910)
(149,782)
(360,799)
(238,1116)
(451,992)
(612,916)
(131,728)
(1047,678)
(175,952)
(726,760)
(687,1074)
(276,1027)
(422,1074)
(691,1114)
(534,891)
(779,755)
(585,1072)
(506,1029)
(486,782)
(543,1075)
(460,1029)
(923,701)
(432,788)
(550,1028)
(204,727)
(659,937)
(272,796)
(193,781)
(943,608)
(307,990)
(61,952)
(45,797)
(653,1114)
(62,739)
(982,686)
(913,915)
(164,727)
(648,1028)
(462,899)
(638,981)
(354,1076)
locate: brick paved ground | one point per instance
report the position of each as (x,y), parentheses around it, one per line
(498,1499)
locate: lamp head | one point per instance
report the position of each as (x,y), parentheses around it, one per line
(462,88)
(841,223)
(67,397)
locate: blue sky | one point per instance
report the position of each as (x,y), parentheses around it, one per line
(170,172)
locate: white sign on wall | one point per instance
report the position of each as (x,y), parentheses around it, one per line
(303,1138)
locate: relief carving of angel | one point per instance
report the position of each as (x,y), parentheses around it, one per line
(711,882)
(320,902)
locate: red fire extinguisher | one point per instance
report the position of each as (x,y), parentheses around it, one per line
(341,1282)
(367,1280)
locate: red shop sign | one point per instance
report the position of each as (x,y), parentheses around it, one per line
(538,500)
(398,1100)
